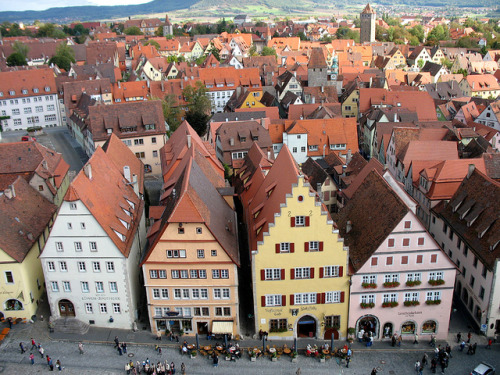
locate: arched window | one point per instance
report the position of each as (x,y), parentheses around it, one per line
(408,328)
(13,304)
(429,326)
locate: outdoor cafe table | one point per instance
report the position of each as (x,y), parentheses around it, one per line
(272,350)
(287,351)
(190,347)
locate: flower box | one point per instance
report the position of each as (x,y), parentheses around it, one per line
(253,359)
(369,305)
(436,282)
(391,284)
(390,304)
(369,285)
(433,302)
(413,283)
(411,303)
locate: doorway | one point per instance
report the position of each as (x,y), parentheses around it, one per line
(369,324)
(66,308)
(202,328)
(306,326)
(388,330)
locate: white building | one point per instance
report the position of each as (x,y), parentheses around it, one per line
(468,229)
(91,258)
(29,98)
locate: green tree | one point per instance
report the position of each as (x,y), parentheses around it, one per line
(199,107)
(171,111)
(21,49)
(268,51)
(302,36)
(420,63)
(16,59)
(418,31)
(64,57)
(153,43)
(133,30)
(159,31)
(49,30)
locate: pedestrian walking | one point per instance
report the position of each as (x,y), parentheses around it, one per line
(417,366)
(216,361)
(21,346)
(183,369)
(393,340)
(425,360)
(298,372)
(158,335)
(41,351)
(448,350)
(469,349)
(127,368)
(33,343)
(159,350)
(58,365)
(172,367)
(347,360)
(400,340)
(374,371)
(415,341)
(433,341)
(51,364)
(469,336)
(443,366)
(120,350)
(490,341)
(474,348)
(80,347)
(124,347)
(433,365)
(117,342)
(32,359)
(459,336)
(462,346)
(9,320)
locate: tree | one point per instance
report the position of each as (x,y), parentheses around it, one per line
(418,31)
(199,107)
(171,111)
(16,59)
(153,43)
(420,63)
(268,51)
(20,48)
(133,30)
(64,57)
(159,31)
(49,30)
(302,36)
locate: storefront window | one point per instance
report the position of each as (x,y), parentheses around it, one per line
(408,328)
(429,327)
(13,304)
(186,325)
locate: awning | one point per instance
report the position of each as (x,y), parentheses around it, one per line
(221,327)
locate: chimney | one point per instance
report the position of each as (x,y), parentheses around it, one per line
(10,192)
(126,173)
(147,82)
(118,84)
(371,81)
(395,117)
(348,226)
(135,185)
(231,141)
(348,157)
(473,84)
(44,164)
(471,169)
(313,100)
(189,140)
(322,89)
(283,60)
(87,169)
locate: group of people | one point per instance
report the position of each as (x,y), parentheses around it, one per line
(121,347)
(441,359)
(41,351)
(365,336)
(396,339)
(146,367)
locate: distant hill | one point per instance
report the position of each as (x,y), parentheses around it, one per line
(220,7)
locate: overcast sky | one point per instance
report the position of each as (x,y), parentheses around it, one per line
(6,5)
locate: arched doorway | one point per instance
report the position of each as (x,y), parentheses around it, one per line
(66,308)
(306,326)
(329,332)
(13,304)
(369,323)
(388,330)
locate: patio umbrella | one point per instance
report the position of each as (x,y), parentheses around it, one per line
(295,344)
(331,342)
(225,341)
(263,343)
(197,342)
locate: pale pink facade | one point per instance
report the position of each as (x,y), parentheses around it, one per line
(408,253)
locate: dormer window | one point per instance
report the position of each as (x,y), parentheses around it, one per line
(12,92)
(109,130)
(35,90)
(149,126)
(25,91)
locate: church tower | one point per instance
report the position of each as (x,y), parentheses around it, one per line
(168,28)
(367,17)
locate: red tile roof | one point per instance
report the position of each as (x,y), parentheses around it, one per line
(27,83)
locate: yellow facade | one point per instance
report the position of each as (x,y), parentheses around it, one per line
(350,105)
(20,298)
(195,237)
(331,253)
(253,100)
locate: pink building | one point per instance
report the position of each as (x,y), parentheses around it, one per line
(402,282)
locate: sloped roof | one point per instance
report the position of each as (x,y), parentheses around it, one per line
(374,211)
(359,177)
(24,217)
(314,172)
(368,9)
(428,150)
(27,83)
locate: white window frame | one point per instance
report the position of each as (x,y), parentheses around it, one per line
(436,275)
(300,221)
(369,279)
(273,300)
(110,266)
(96,266)
(54,286)
(367,298)
(331,271)
(51,266)
(272,273)
(284,247)
(302,272)
(332,297)
(305,298)
(113,287)
(99,287)
(85,286)
(313,246)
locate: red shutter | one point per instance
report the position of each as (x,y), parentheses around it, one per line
(434,258)
(307,221)
(262,274)
(292,299)
(342,297)
(311,272)
(292,221)
(323,297)
(292,273)
(263,301)
(292,247)
(283,300)
(278,248)
(341,271)
(306,246)
(318,298)
(321,246)
(282,274)
(420,258)
(321,271)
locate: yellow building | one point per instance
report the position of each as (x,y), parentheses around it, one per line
(299,274)
(24,226)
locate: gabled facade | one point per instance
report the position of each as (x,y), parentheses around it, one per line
(490,116)
(299,274)
(402,282)
(91,258)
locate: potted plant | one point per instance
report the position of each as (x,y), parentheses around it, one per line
(411,303)
(436,282)
(391,284)
(369,285)
(193,354)
(389,304)
(368,305)
(253,356)
(433,302)
(322,358)
(413,283)
(181,332)
(274,357)
(228,356)
(295,356)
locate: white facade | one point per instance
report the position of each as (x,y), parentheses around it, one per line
(297,144)
(84,269)
(489,118)
(219,99)
(40,110)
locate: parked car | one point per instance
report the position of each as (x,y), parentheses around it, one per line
(483,369)
(26,138)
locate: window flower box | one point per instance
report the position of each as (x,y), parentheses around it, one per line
(391,284)
(369,305)
(436,282)
(411,303)
(390,304)
(433,302)
(413,283)
(369,285)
